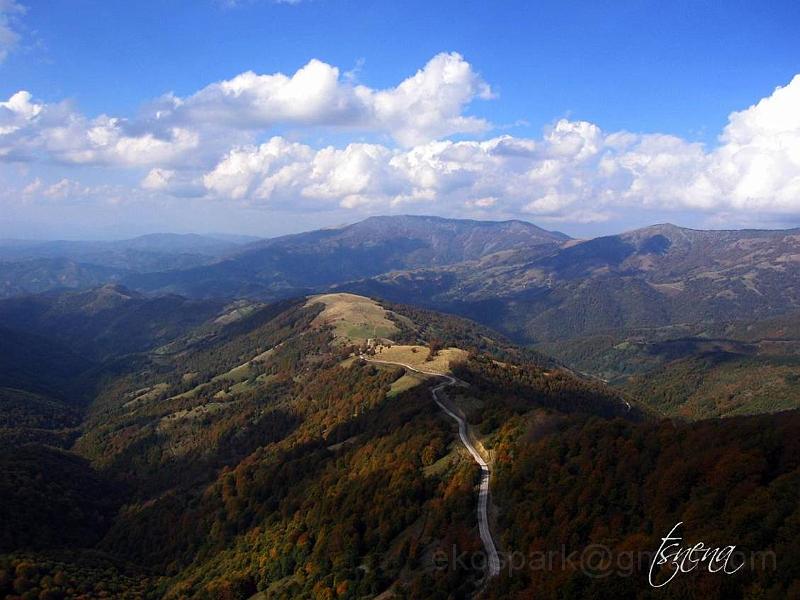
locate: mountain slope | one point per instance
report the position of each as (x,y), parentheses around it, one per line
(44,388)
(654,277)
(107,321)
(743,367)
(649,304)
(299,427)
(257,453)
(37,275)
(152,252)
(297,264)
(587,502)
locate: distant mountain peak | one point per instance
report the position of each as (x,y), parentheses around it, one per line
(298,263)
(427,224)
(117,289)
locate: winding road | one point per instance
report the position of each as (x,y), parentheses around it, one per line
(463,433)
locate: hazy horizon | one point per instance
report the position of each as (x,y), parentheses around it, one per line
(230,235)
(341,299)
(292,116)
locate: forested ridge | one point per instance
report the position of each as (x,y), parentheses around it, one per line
(567,482)
(255,453)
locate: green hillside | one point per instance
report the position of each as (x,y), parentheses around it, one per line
(255,452)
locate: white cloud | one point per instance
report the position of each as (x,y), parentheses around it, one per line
(9,36)
(206,144)
(758,163)
(312,96)
(65,188)
(158,179)
(31,130)
(107,140)
(256,172)
(194,131)
(70,191)
(450,174)
(357,175)
(425,106)
(17,112)
(429,105)
(575,171)
(33,187)
(172,182)
(481,203)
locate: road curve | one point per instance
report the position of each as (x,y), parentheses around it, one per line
(483,495)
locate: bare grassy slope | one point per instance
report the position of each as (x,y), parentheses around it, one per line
(354,318)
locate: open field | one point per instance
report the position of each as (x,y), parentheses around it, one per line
(353,318)
(406,382)
(415,356)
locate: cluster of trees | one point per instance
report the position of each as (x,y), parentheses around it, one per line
(106,322)
(338,508)
(43,390)
(293,473)
(434,346)
(571,482)
(720,384)
(697,370)
(51,498)
(130,435)
(257,455)
(23,409)
(505,390)
(61,575)
(417,325)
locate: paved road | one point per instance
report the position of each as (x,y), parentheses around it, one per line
(463,433)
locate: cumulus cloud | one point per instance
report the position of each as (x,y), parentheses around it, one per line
(17,112)
(425,106)
(9,36)
(107,140)
(20,118)
(158,179)
(175,183)
(212,143)
(29,130)
(574,171)
(194,131)
(256,172)
(428,105)
(65,188)
(758,163)
(451,174)
(511,174)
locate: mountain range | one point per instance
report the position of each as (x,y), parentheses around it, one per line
(660,276)
(601,306)
(308,262)
(282,450)
(272,420)
(531,284)
(28,266)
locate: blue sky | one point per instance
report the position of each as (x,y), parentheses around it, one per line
(615,114)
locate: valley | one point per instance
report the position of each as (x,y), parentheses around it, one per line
(337,445)
(205,440)
(466,437)
(356,300)
(607,307)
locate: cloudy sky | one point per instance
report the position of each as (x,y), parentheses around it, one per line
(265,117)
